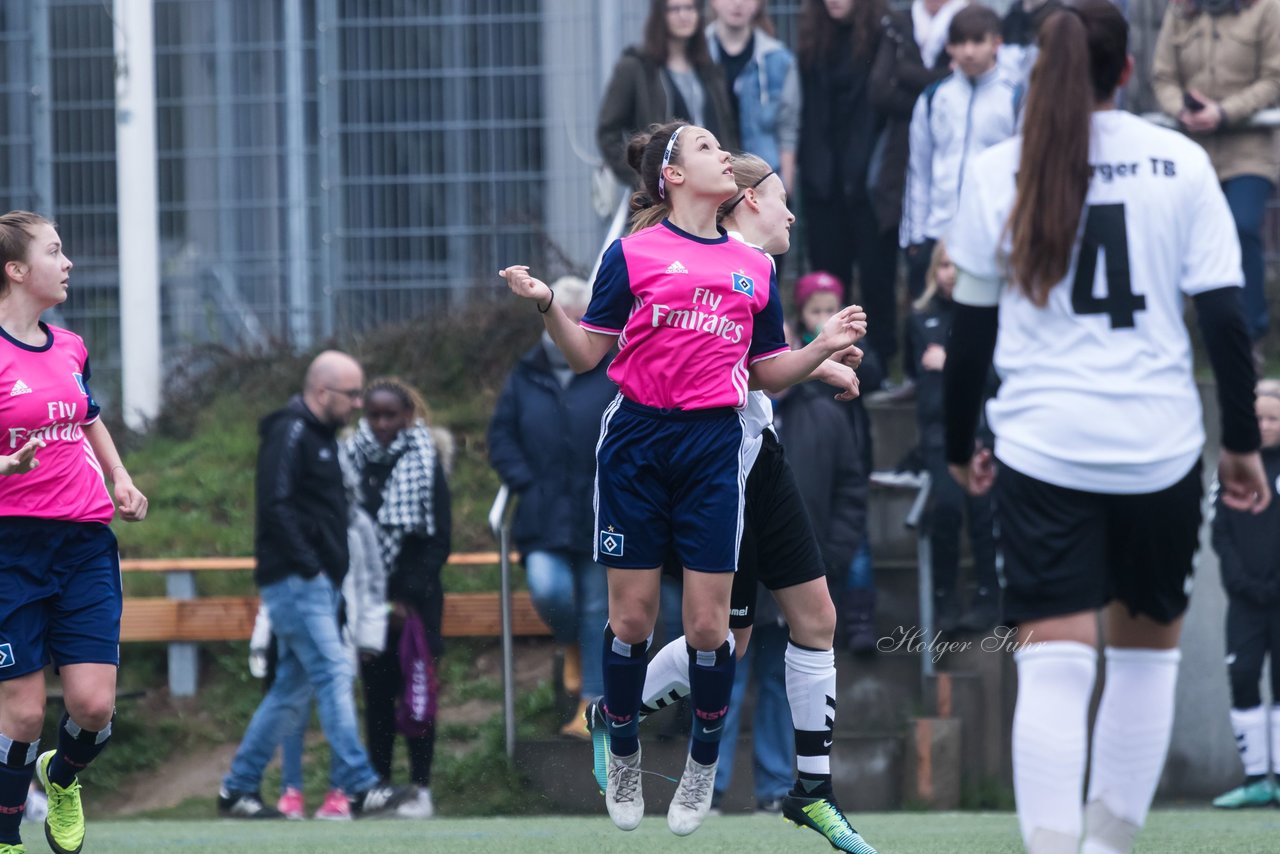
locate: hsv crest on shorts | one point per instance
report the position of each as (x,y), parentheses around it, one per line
(611,544)
(6,655)
(743,284)
(677,267)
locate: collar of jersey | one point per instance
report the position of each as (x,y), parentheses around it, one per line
(28,347)
(723,238)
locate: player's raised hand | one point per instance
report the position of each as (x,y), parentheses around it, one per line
(1243,481)
(845,328)
(850,357)
(23,460)
(840,376)
(524,285)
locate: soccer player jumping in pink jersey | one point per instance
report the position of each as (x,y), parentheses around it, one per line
(698,320)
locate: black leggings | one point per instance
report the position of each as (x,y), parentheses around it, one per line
(1253,632)
(382,688)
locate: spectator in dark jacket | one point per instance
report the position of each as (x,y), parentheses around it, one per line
(670,76)
(1248,548)
(542,443)
(817,297)
(930,327)
(301,549)
(857,93)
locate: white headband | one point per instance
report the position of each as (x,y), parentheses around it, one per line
(666,160)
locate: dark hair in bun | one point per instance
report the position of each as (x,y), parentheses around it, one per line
(644,154)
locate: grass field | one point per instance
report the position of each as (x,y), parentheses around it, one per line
(1190,831)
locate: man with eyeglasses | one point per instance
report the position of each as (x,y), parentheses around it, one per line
(300,543)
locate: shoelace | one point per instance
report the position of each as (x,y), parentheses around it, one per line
(694,792)
(625,779)
(58,819)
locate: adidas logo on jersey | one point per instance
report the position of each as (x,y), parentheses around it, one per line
(19,388)
(677,267)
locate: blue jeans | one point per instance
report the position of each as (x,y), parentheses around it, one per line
(312,660)
(773,738)
(1247,197)
(291,750)
(571,593)
(861,574)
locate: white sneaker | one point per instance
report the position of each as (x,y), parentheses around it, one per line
(692,800)
(418,807)
(624,797)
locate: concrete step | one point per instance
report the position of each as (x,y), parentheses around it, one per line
(893,432)
(876,693)
(867,771)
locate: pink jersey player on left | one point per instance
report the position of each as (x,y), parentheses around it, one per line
(60,600)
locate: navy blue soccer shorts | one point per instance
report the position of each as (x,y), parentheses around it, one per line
(60,595)
(669,480)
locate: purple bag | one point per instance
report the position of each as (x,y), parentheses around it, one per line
(416,711)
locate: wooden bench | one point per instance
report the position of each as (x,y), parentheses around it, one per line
(182,619)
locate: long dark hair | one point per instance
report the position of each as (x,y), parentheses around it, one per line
(815,40)
(656,35)
(1082,56)
(644,153)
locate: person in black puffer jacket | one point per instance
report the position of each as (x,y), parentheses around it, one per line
(1248,547)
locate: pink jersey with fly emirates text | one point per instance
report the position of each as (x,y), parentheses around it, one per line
(44,392)
(691,314)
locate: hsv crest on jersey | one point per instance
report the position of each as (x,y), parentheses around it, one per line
(611,544)
(677,267)
(79,378)
(19,388)
(743,284)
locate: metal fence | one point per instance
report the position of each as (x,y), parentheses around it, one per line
(325,166)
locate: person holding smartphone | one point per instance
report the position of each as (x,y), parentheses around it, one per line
(1217,63)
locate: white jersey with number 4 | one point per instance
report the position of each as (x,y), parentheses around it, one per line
(1097,391)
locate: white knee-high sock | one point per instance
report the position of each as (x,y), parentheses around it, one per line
(811,691)
(1275,738)
(667,679)
(1130,742)
(1250,728)
(1050,735)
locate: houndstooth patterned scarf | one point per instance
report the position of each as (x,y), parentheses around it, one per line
(406,497)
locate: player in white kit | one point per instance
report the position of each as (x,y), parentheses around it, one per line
(1077,244)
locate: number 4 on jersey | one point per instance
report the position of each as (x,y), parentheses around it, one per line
(1104,228)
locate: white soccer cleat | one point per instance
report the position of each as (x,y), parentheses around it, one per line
(692,800)
(623,795)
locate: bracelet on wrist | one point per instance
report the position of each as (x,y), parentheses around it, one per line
(542,310)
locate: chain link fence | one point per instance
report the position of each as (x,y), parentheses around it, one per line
(325,166)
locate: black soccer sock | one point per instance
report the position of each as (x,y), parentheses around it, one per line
(77,747)
(711,685)
(624,669)
(17,766)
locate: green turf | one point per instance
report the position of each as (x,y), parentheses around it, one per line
(1191,831)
